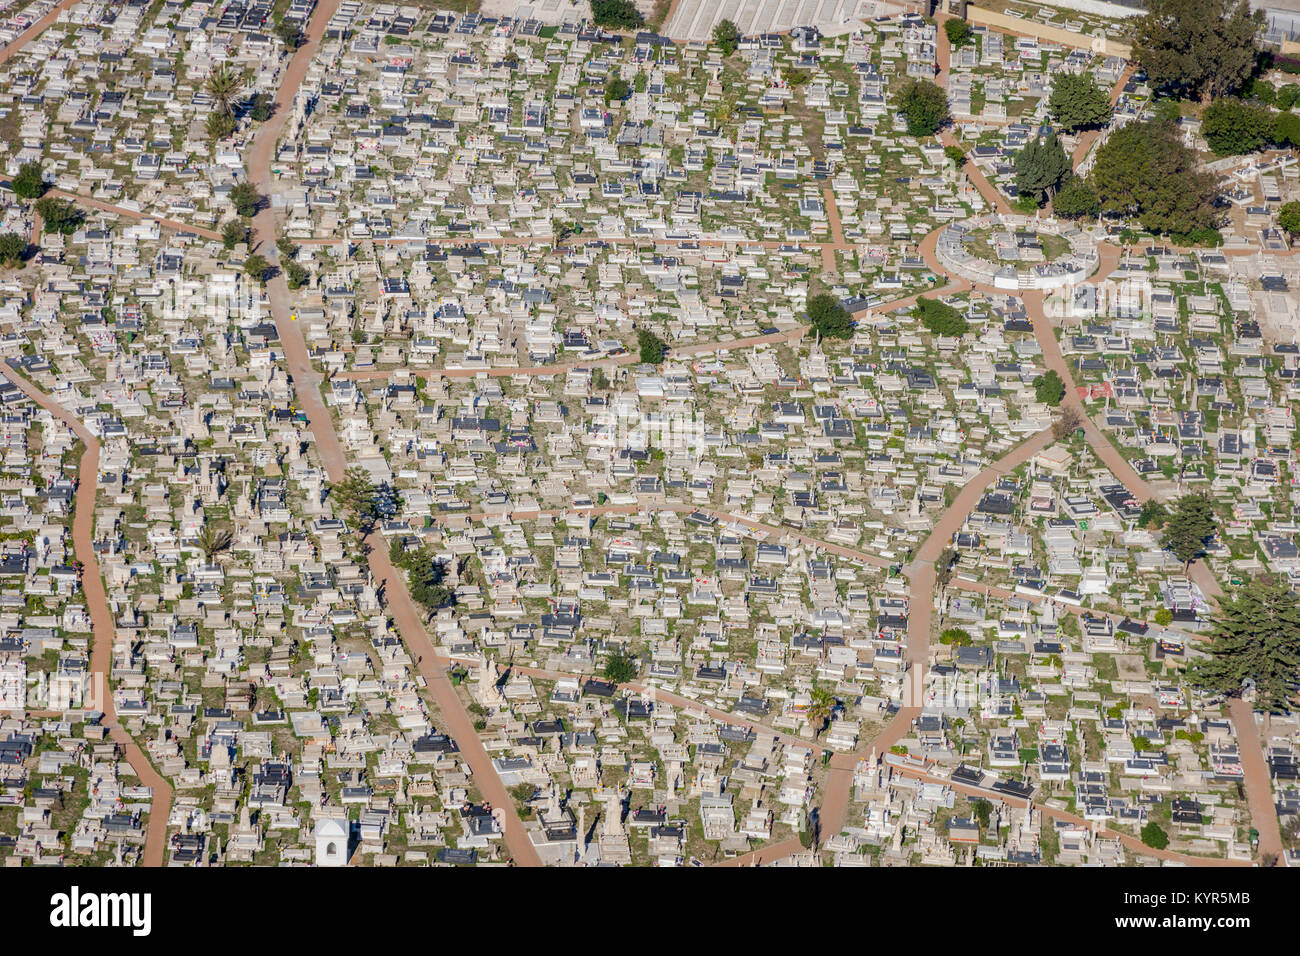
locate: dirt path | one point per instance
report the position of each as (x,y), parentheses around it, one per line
(1256,778)
(920,613)
(101,620)
(1132,842)
(35,30)
(407,619)
(837,231)
(172,225)
(560,368)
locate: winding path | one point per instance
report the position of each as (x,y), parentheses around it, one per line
(408,619)
(101,619)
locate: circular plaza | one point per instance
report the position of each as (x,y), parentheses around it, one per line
(1017,252)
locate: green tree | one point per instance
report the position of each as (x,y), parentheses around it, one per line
(943,571)
(829,319)
(1145,171)
(1049,389)
(1261,90)
(219,125)
(290,34)
(726,37)
(1286,129)
(958,32)
(1152,515)
(295,274)
(1287,94)
(1200,48)
(355,494)
(955,636)
(619,668)
(939,318)
(246,199)
(955,154)
(1288,217)
(1234,128)
(821,706)
(13,249)
(924,106)
(1041,167)
(30,181)
(223,85)
(256,267)
(651,346)
(1077,102)
(616,89)
(213,540)
(1255,636)
(617,14)
(59,215)
(233,233)
(1163,617)
(424,577)
(1189,527)
(1076,200)
(262,107)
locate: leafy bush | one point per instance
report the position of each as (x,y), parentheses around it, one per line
(1233,127)
(924,106)
(617,89)
(726,36)
(618,14)
(1288,217)
(59,215)
(1049,389)
(1076,200)
(30,181)
(959,32)
(619,668)
(940,318)
(13,248)
(829,319)
(652,347)
(1154,836)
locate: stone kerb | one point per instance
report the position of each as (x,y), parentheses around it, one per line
(1070,269)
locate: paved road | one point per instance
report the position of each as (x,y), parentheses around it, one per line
(101,620)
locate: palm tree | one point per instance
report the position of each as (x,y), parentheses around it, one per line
(820,707)
(223,83)
(213,540)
